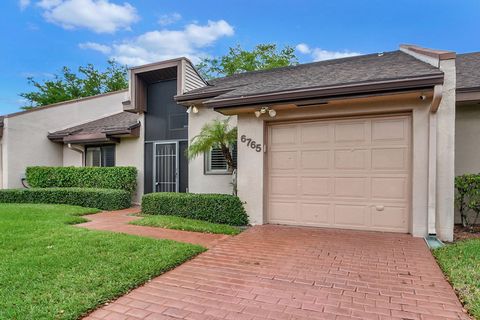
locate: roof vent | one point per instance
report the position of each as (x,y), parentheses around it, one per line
(380,54)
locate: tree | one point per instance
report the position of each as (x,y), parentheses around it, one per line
(89,81)
(216,134)
(238,60)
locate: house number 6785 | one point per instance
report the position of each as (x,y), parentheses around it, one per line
(251,143)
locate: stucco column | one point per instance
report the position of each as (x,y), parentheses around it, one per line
(250,186)
(446,153)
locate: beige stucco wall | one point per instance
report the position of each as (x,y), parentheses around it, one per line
(198,181)
(251,175)
(130,152)
(72,158)
(467,139)
(467,142)
(445,190)
(25,139)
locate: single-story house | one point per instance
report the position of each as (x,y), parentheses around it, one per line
(371,142)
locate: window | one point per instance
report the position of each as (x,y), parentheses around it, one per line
(100,156)
(215,163)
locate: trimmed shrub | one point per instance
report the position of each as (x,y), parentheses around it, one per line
(467,198)
(124,178)
(104,199)
(217,208)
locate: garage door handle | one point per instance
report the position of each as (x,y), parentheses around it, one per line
(380,208)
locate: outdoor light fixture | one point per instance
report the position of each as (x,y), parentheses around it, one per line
(272,113)
(193,109)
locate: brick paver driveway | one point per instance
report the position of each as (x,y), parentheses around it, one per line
(273,272)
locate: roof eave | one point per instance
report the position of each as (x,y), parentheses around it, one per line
(107,135)
(370,87)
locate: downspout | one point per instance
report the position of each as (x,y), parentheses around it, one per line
(431,239)
(71,147)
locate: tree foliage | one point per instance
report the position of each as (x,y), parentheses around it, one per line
(215,134)
(238,60)
(68,85)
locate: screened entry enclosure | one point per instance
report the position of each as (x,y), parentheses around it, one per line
(170,167)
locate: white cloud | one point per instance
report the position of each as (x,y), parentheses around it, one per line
(167,19)
(96,46)
(23,4)
(303,48)
(319,54)
(167,44)
(101,16)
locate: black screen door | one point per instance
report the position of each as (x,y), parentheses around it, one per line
(165,161)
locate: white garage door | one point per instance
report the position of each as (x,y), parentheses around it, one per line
(346,173)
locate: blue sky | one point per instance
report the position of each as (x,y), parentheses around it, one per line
(40,36)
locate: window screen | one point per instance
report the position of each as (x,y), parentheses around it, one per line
(100,156)
(216,163)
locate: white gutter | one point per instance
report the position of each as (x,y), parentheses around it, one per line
(432,160)
(71,147)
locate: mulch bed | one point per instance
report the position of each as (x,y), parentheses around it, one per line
(461,233)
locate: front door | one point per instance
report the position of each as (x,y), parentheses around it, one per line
(166,167)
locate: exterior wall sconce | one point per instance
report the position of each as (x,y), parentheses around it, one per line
(193,109)
(271,112)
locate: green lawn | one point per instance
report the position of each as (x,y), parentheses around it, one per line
(52,270)
(461,264)
(179,223)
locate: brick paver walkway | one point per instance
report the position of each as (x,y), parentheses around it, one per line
(118,221)
(273,272)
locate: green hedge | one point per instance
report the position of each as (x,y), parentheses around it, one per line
(217,208)
(124,178)
(104,199)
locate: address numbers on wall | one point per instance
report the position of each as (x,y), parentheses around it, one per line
(251,143)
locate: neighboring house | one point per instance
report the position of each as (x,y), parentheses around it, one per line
(370,142)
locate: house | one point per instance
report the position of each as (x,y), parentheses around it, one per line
(370,142)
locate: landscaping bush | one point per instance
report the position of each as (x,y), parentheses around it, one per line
(217,208)
(467,198)
(104,199)
(124,178)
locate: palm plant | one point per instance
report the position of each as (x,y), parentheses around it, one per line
(216,134)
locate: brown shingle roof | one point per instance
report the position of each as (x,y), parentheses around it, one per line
(468,70)
(115,124)
(364,69)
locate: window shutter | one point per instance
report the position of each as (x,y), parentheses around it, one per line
(217,161)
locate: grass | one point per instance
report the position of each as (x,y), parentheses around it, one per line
(461,264)
(180,223)
(52,270)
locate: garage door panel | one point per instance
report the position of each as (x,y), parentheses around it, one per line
(283,186)
(389,130)
(315,213)
(389,188)
(315,159)
(351,159)
(315,186)
(351,187)
(283,136)
(390,218)
(283,160)
(284,212)
(347,173)
(350,215)
(390,158)
(350,131)
(315,133)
